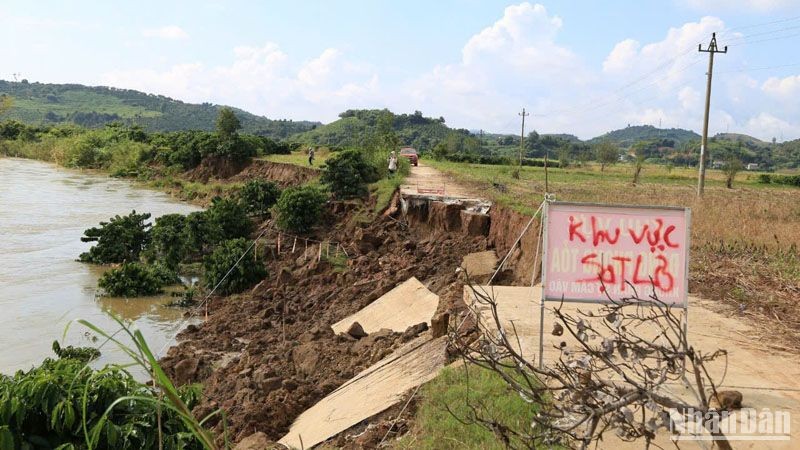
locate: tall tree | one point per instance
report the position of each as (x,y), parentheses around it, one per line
(227,123)
(6,102)
(606,153)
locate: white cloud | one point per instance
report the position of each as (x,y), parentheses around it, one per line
(690,98)
(761,6)
(765,126)
(621,56)
(264,80)
(171,32)
(784,88)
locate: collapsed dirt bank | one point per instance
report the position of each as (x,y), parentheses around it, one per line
(267,355)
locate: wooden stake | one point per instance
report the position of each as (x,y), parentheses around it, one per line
(294,244)
(328,249)
(279,243)
(319,255)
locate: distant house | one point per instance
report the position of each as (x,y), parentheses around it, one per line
(752,166)
(717,164)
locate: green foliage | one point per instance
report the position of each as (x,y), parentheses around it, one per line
(246,273)
(258,196)
(120,239)
(299,208)
(166,240)
(606,153)
(83,354)
(53,405)
(789,180)
(227,123)
(228,219)
(40,103)
(347,174)
(198,233)
(134,279)
(628,136)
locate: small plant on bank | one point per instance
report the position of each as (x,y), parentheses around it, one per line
(224,259)
(300,208)
(135,279)
(228,219)
(258,196)
(347,174)
(120,239)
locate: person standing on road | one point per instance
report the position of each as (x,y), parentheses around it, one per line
(392,164)
(310,156)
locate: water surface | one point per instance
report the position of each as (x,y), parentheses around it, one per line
(44,210)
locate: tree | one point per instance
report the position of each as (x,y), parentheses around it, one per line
(606,153)
(6,103)
(732,166)
(299,208)
(229,219)
(198,234)
(227,123)
(347,174)
(258,196)
(166,240)
(227,260)
(120,239)
(638,161)
(134,279)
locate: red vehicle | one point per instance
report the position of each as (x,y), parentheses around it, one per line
(411,154)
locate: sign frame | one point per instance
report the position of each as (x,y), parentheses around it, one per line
(545,221)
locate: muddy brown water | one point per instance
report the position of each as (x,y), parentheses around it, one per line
(44,210)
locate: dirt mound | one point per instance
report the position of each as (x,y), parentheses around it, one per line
(282,174)
(267,355)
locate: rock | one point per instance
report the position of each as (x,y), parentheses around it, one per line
(289,384)
(186,370)
(356,331)
(366,241)
(475,224)
(727,400)
(305,358)
(439,325)
(414,331)
(256,441)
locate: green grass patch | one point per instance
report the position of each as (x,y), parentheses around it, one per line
(456,388)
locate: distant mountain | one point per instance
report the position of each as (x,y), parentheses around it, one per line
(737,137)
(43,103)
(628,136)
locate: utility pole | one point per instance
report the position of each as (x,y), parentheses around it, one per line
(522,135)
(712,48)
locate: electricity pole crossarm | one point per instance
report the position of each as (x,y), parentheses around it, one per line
(712,48)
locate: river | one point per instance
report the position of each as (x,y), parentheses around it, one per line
(44,210)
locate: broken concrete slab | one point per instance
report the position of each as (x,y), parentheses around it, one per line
(407,304)
(370,392)
(479,264)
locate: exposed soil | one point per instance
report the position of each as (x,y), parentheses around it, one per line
(282,174)
(215,167)
(267,355)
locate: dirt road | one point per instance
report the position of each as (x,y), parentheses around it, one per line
(425,180)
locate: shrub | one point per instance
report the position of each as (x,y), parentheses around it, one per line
(299,208)
(347,174)
(228,219)
(198,232)
(135,279)
(166,240)
(121,239)
(246,273)
(258,196)
(44,408)
(764,178)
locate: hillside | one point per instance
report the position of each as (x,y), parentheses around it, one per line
(628,136)
(358,127)
(91,106)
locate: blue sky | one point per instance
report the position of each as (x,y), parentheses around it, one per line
(582,67)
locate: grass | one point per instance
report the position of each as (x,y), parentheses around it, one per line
(751,213)
(383,190)
(456,388)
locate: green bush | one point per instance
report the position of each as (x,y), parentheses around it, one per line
(347,174)
(198,234)
(258,196)
(228,218)
(44,408)
(166,240)
(246,273)
(299,208)
(135,279)
(121,239)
